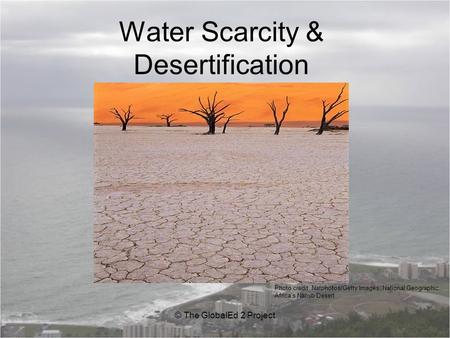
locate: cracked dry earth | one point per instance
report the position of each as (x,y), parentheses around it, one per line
(175,206)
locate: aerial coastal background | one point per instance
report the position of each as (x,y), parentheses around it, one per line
(398,150)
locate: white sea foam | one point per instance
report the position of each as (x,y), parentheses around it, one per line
(139,312)
(394,261)
(133,314)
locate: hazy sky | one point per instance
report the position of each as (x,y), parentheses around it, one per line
(390,53)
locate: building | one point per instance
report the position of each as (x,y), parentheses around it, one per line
(408,270)
(403,270)
(441,270)
(414,271)
(235,307)
(257,297)
(388,273)
(223,306)
(134,330)
(50,334)
(156,328)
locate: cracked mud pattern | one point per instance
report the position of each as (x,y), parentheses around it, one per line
(247,206)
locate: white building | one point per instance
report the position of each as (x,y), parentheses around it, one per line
(388,273)
(441,270)
(155,328)
(408,270)
(134,330)
(414,271)
(403,270)
(50,334)
(257,297)
(223,306)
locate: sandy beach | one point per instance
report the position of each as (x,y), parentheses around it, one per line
(172,205)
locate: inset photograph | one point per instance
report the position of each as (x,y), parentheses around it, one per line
(221,182)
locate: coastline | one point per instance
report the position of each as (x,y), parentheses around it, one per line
(394,261)
(139,311)
(228,291)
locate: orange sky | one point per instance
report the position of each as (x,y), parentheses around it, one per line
(150,99)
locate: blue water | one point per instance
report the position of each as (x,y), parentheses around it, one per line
(399,184)
(47,269)
(398,208)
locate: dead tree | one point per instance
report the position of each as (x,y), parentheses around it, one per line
(168,118)
(211,112)
(278,123)
(228,119)
(125,117)
(328,109)
(335,117)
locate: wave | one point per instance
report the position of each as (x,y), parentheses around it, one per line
(138,313)
(20,317)
(134,314)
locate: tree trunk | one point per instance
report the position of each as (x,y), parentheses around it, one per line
(124,126)
(277,129)
(322,126)
(224,128)
(212,128)
(168,123)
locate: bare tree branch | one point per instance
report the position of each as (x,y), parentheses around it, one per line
(124,118)
(168,118)
(211,112)
(279,122)
(229,118)
(336,116)
(327,108)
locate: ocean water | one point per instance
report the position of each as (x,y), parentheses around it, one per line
(399,184)
(398,208)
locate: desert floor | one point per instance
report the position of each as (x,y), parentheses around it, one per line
(172,205)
